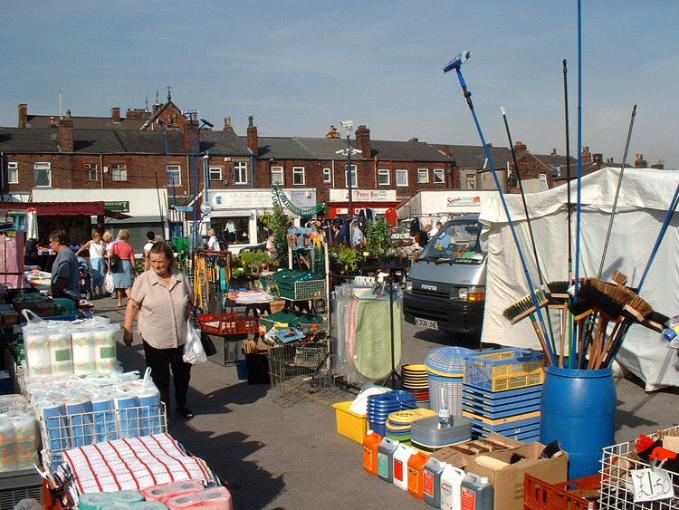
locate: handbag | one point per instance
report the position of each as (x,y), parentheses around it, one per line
(208,344)
(114,260)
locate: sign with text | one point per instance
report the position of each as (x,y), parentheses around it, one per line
(651,484)
(363,195)
(251,199)
(121,206)
(461,200)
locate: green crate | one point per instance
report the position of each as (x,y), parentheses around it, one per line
(302,290)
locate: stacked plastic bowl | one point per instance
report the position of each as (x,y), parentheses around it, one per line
(399,424)
(445,368)
(381,406)
(414,379)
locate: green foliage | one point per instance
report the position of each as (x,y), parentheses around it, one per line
(279,226)
(254,259)
(347,257)
(377,237)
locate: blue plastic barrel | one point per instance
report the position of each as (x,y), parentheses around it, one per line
(578,409)
(241,369)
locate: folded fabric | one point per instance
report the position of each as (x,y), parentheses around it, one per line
(133,464)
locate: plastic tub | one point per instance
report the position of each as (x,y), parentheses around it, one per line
(349,424)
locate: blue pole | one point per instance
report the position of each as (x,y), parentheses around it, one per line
(468,96)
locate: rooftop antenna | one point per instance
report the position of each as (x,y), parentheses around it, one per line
(146,104)
(169,95)
(157,97)
(60,104)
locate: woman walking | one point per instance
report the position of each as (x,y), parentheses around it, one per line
(96,248)
(123,271)
(162,299)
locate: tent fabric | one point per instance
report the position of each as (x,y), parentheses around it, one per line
(644,198)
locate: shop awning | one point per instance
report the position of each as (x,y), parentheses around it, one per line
(65,209)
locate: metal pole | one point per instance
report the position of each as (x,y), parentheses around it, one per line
(351,203)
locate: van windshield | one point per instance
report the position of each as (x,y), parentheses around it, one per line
(458,241)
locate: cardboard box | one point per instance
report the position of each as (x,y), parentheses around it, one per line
(508,480)
(494,442)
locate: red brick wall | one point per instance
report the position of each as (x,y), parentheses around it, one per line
(530,167)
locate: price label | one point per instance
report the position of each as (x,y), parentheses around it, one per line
(651,485)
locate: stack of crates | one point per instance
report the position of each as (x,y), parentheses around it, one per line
(501,393)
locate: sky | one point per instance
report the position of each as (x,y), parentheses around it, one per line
(300,66)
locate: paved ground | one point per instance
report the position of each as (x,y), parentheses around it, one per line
(291,458)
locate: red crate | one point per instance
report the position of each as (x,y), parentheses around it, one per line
(570,495)
(228,323)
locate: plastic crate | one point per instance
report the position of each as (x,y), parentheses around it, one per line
(571,495)
(229,323)
(505,369)
(18,485)
(302,290)
(349,424)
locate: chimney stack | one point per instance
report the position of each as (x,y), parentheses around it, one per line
(598,158)
(190,133)
(333,133)
(253,142)
(659,166)
(228,127)
(115,114)
(553,152)
(23,115)
(363,141)
(586,155)
(65,134)
(640,162)
(520,147)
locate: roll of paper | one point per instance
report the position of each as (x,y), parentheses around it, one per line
(61,358)
(27,438)
(103,409)
(217,498)
(56,423)
(84,351)
(150,420)
(149,505)
(172,489)
(94,500)
(8,459)
(127,411)
(37,354)
(105,342)
(81,419)
(127,496)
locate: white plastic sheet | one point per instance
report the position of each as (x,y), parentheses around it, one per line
(644,199)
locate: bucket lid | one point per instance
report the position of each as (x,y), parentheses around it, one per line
(448,360)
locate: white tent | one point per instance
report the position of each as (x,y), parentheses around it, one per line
(644,199)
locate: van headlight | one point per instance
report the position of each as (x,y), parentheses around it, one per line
(409,286)
(472,294)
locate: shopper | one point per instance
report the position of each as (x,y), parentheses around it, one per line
(213,242)
(162,298)
(357,237)
(150,241)
(123,273)
(96,248)
(65,271)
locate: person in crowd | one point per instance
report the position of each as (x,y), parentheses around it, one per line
(336,233)
(150,241)
(357,237)
(32,256)
(212,242)
(436,229)
(271,246)
(123,273)
(161,299)
(423,236)
(96,248)
(65,271)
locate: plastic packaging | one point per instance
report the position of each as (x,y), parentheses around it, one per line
(172,489)
(431,489)
(416,474)
(61,358)
(385,459)
(400,471)
(476,493)
(105,348)
(371,443)
(84,350)
(451,486)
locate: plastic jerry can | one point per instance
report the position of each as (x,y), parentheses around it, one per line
(451,485)
(476,493)
(400,471)
(385,459)
(416,474)
(370,445)
(432,481)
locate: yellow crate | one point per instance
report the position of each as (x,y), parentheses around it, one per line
(349,424)
(502,371)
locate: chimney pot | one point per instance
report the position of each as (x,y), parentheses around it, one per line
(520,147)
(333,133)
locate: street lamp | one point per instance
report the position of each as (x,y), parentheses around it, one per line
(196,219)
(349,126)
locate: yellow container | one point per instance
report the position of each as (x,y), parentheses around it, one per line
(349,424)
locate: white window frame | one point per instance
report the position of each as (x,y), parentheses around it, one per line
(119,172)
(45,166)
(12,166)
(212,171)
(439,176)
(174,175)
(280,172)
(470,179)
(401,172)
(327,175)
(240,171)
(383,172)
(354,176)
(88,167)
(422,176)
(296,172)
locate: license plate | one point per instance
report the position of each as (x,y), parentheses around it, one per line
(427,323)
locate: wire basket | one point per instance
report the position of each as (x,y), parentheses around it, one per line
(301,290)
(297,370)
(61,433)
(616,492)
(504,369)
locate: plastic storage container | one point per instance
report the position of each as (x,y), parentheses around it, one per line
(371,444)
(416,474)
(476,493)
(430,434)
(451,486)
(401,457)
(433,470)
(385,459)
(349,424)
(578,409)
(504,369)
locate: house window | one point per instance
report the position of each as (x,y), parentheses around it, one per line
(119,172)
(240,169)
(174,175)
(383,177)
(215,173)
(277,176)
(401,177)
(470,181)
(354,177)
(422,176)
(13,172)
(298,175)
(43,175)
(327,176)
(90,172)
(439,176)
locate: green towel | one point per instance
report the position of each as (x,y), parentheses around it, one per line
(372,347)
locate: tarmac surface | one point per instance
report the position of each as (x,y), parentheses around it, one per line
(276,457)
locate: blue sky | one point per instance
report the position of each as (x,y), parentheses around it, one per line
(299,66)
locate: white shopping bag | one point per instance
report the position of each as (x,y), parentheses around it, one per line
(193,348)
(108,283)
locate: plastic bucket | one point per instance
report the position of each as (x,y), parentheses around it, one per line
(242,369)
(578,409)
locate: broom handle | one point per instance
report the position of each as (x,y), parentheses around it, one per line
(609,346)
(539,332)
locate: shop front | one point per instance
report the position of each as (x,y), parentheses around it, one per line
(377,200)
(235,213)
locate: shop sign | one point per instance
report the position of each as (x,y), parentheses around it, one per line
(120,206)
(221,200)
(459,200)
(363,195)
